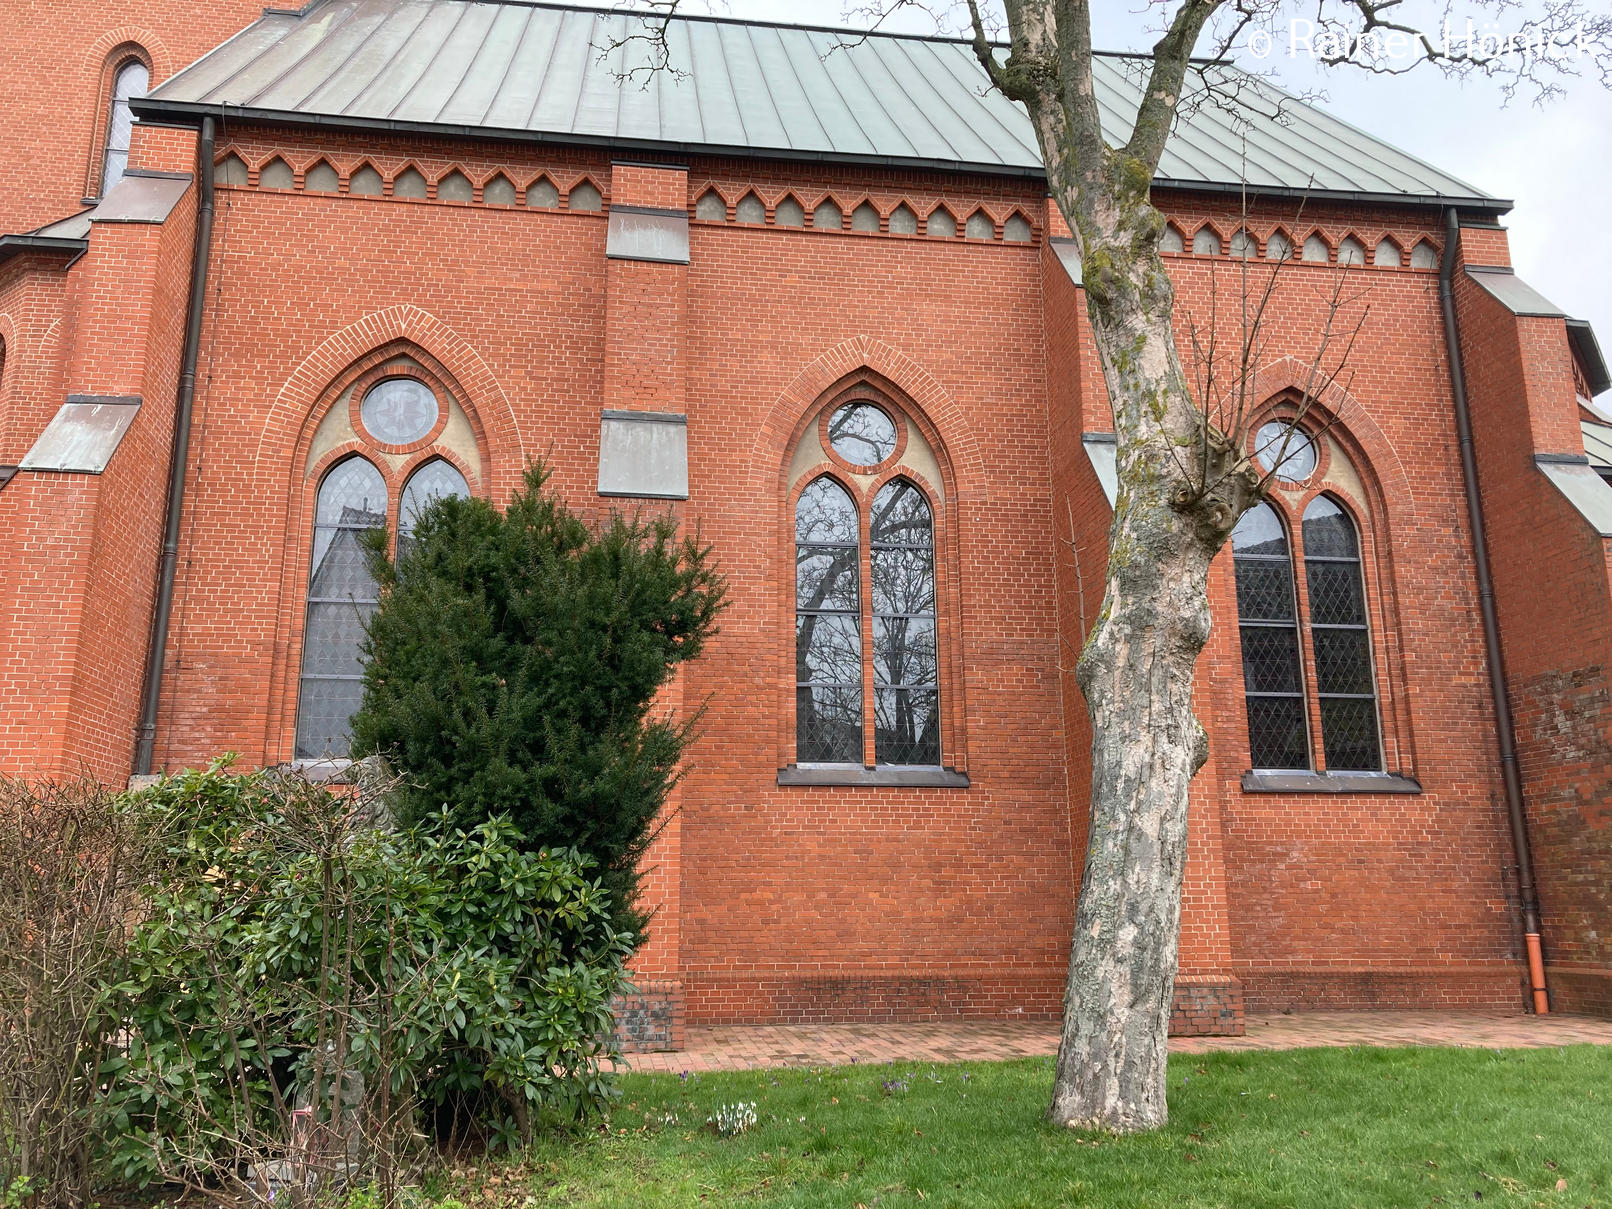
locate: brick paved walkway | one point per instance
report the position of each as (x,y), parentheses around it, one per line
(741,1048)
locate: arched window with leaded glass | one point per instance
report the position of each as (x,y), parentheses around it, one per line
(342,594)
(1340,639)
(433,480)
(1267,620)
(906,677)
(129,83)
(828,626)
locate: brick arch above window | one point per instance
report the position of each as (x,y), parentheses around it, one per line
(301,402)
(100,63)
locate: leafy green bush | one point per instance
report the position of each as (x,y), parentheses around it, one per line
(309,985)
(71,867)
(513,663)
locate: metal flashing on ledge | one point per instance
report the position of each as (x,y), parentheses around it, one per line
(142,197)
(1068,253)
(19,245)
(7,473)
(83,435)
(1576,478)
(645,417)
(886,775)
(646,233)
(1512,292)
(1102,450)
(1329,782)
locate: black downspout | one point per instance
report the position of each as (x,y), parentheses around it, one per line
(1498,688)
(181,451)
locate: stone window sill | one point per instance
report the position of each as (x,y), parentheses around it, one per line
(1329,782)
(856,774)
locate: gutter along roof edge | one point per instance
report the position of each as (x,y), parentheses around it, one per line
(190,114)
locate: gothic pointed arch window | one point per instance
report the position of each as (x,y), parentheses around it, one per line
(396,446)
(871,666)
(1304,622)
(1267,623)
(828,626)
(906,682)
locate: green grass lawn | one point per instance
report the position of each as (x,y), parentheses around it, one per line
(1321,1127)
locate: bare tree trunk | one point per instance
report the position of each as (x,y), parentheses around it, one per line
(1137,675)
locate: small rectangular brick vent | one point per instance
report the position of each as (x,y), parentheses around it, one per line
(1207,1006)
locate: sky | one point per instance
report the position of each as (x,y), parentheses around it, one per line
(1554,161)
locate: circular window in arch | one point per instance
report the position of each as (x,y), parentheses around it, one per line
(1282,439)
(862,434)
(400,411)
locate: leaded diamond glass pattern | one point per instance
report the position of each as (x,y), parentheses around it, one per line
(1277,737)
(905,670)
(437,479)
(828,724)
(342,594)
(1273,683)
(828,627)
(1342,661)
(1349,729)
(1340,639)
(1271,659)
(1335,597)
(130,83)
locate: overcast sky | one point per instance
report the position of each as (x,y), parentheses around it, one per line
(1554,162)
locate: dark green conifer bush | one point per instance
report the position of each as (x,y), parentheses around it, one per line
(513,666)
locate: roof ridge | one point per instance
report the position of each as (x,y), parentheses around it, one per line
(748,22)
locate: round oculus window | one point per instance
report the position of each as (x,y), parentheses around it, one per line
(1298,458)
(400,411)
(862,434)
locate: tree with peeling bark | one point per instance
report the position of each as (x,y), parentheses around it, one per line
(1186,473)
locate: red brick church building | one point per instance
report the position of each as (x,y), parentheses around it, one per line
(269,277)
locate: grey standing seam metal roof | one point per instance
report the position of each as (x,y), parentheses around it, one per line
(522,70)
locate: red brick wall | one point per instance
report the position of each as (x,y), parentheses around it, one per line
(1334,900)
(1406,892)
(1557,642)
(818,902)
(84,547)
(55,62)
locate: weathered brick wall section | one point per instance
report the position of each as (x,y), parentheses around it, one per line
(1206,1006)
(1558,643)
(1323,888)
(885,903)
(651,1019)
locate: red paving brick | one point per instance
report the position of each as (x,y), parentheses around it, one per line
(745,1048)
